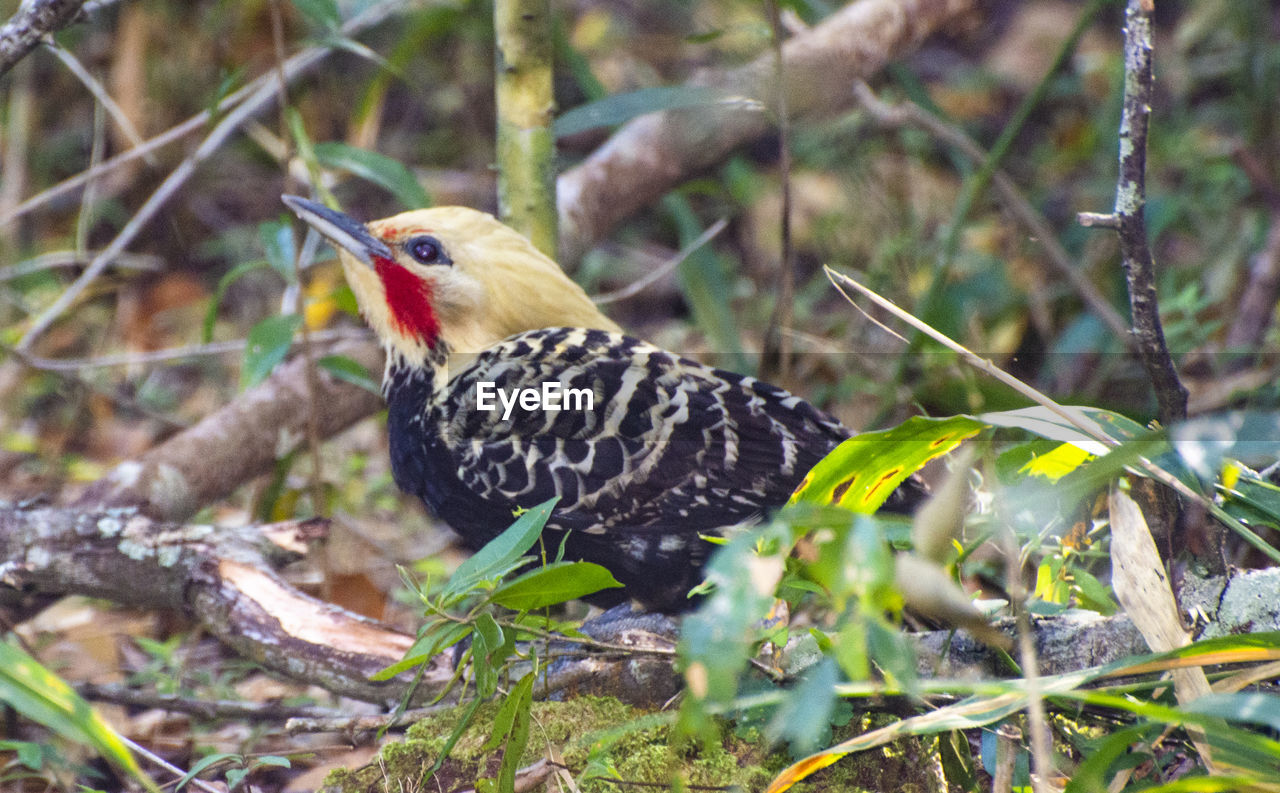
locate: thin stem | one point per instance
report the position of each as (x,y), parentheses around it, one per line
(666,268)
(1131,201)
(300,295)
(778,349)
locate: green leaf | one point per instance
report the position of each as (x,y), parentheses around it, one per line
(224,283)
(437,638)
(205,763)
(377,168)
(860,473)
(1252,708)
(1093,594)
(555,583)
(1248,496)
(347,370)
(521,698)
(40,695)
(269,342)
(487,656)
(321,13)
(803,718)
(278,244)
(620,108)
(29,754)
(716,640)
(502,551)
(504,720)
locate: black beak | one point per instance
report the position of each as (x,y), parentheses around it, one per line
(342,230)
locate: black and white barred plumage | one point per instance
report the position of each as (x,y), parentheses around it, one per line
(670,449)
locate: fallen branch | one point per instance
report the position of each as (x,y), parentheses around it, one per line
(217,575)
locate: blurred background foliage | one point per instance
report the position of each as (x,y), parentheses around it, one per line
(873,201)
(870,200)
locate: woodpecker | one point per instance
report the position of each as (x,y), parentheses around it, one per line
(669,449)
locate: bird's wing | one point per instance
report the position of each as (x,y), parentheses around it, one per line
(666,444)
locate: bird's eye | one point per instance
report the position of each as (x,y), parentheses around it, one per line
(426,250)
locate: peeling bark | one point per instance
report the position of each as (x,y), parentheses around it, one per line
(217,575)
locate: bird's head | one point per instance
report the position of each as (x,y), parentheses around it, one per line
(449,274)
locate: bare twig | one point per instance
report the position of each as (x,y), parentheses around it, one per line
(1131,200)
(16,137)
(55,259)
(166,765)
(99,91)
(297,65)
(1099,220)
(176,353)
(656,274)
(207,709)
(159,141)
(355,727)
(33,21)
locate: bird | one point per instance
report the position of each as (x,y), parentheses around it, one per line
(668,453)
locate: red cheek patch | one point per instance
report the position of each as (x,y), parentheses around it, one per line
(409,300)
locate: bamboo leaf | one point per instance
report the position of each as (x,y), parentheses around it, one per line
(347,370)
(269,342)
(373,167)
(621,108)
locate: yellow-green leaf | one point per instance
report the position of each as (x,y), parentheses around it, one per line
(40,695)
(860,473)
